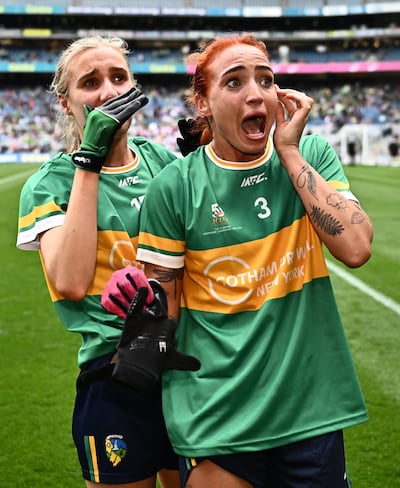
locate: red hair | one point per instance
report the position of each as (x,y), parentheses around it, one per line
(201,61)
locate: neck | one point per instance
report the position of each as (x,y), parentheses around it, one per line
(119,155)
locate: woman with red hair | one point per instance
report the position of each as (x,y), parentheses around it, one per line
(235,232)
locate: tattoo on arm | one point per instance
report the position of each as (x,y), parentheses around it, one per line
(165,276)
(357,218)
(337,201)
(306,177)
(326,222)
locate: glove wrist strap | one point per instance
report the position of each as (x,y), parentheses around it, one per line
(88,161)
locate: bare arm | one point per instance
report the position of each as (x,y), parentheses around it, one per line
(342,224)
(171,281)
(69,251)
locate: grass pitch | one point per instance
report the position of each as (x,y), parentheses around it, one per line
(38,363)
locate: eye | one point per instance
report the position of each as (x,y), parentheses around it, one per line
(118,75)
(90,82)
(267,82)
(119,78)
(233,83)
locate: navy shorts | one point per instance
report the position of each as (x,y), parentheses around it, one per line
(120,436)
(318,462)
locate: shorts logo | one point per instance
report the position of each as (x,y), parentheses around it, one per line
(116,449)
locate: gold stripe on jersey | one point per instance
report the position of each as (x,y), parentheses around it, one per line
(156,242)
(115,250)
(339,185)
(37,213)
(243,277)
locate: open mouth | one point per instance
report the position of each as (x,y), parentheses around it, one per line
(254,126)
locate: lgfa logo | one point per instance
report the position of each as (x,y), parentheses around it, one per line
(218,214)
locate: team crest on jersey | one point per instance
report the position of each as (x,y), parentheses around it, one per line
(116,448)
(218,214)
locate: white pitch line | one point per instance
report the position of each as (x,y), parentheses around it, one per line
(14,177)
(376,295)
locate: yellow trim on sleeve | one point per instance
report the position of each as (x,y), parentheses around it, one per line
(37,213)
(164,243)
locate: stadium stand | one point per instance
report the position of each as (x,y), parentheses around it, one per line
(345,55)
(27,114)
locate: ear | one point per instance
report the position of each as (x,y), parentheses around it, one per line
(64,104)
(203,106)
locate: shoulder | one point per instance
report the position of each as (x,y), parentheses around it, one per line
(318,151)
(59,167)
(313,141)
(184,168)
(144,147)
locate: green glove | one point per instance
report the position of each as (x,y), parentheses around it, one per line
(101,125)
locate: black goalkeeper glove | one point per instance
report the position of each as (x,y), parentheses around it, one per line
(190,139)
(101,125)
(146,347)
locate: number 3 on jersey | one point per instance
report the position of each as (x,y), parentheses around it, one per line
(265,211)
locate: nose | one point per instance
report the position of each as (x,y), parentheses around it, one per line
(254,93)
(108,90)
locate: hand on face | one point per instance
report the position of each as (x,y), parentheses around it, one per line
(95,76)
(291,117)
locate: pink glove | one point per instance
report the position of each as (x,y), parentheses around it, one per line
(121,289)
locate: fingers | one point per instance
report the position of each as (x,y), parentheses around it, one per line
(139,280)
(114,305)
(124,106)
(294,101)
(186,126)
(138,302)
(124,293)
(291,117)
(122,288)
(126,97)
(280,114)
(138,103)
(121,309)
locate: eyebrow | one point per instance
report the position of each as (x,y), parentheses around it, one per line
(87,75)
(242,67)
(93,72)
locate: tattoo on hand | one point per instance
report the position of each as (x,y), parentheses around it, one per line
(336,200)
(165,276)
(306,177)
(326,222)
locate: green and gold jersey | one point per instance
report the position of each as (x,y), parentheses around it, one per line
(257,307)
(43,204)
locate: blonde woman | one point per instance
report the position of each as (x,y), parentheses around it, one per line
(80,211)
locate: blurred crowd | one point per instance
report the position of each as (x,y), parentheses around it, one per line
(28,115)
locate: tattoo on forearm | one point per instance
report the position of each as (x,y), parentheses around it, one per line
(326,222)
(165,276)
(357,218)
(336,200)
(306,177)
